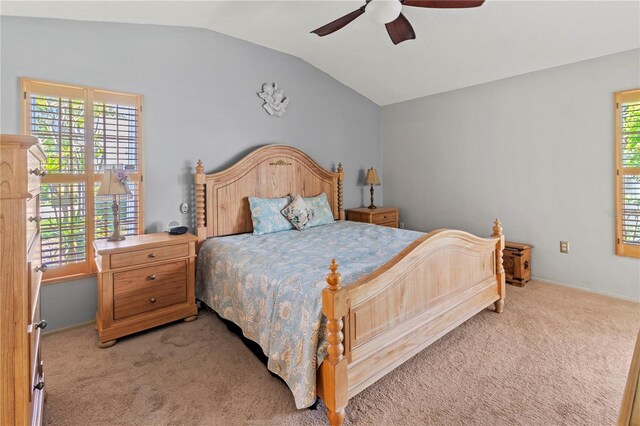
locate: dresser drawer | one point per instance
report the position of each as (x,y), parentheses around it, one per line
(35,172)
(37,395)
(34,343)
(145,289)
(140,257)
(33,219)
(35,273)
(383,218)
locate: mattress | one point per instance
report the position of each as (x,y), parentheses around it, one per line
(271,286)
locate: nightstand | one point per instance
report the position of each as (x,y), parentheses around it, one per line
(144,281)
(384,216)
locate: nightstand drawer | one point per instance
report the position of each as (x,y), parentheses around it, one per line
(140,257)
(384,218)
(149,277)
(392,224)
(146,289)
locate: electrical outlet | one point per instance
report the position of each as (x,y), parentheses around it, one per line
(564,247)
(184,208)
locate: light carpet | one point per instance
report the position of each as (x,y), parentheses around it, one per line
(556,356)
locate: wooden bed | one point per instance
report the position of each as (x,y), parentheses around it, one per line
(381,320)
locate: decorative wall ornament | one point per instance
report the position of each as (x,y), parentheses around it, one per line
(275,103)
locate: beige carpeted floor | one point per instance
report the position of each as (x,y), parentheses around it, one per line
(557,356)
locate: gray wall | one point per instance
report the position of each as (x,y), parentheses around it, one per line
(200,101)
(535,150)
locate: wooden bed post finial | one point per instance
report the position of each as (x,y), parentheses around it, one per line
(334,279)
(200,207)
(333,370)
(340,192)
(497,228)
(497,233)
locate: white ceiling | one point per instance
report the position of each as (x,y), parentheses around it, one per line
(453,49)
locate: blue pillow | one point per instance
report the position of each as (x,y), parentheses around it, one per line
(266,215)
(322,213)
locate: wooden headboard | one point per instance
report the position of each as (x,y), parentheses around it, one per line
(222,198)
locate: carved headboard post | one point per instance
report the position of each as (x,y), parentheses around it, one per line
(340,193)
(200,181)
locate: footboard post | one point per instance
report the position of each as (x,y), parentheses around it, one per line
(497,233)
(332,384)
(200,208)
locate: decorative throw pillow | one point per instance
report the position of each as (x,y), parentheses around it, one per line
(266,216)
(298,213)
(322,213)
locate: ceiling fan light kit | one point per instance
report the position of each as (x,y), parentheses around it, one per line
(389,13)
(383,11)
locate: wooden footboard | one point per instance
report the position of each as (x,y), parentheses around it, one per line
(383,319)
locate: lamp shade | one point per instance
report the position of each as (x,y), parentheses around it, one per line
(372,177)
(112,185)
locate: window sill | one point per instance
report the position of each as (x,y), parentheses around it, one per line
(63,279)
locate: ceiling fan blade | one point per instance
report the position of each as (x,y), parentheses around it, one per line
(444,4)
(400,30)
(338,23)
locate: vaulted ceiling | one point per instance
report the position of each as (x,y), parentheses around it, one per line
(454,48)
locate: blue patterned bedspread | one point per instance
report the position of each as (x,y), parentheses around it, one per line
(271,286)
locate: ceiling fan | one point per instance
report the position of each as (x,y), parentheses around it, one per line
(389,12)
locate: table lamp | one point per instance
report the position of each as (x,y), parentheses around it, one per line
(114,184)
(372,179)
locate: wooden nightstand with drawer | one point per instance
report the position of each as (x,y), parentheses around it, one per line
(144,281)
(384,216)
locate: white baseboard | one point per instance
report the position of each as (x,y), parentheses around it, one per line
(588,290)
(71,327)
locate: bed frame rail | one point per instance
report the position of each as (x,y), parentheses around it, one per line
(378,322)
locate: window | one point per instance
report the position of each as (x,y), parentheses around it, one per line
(83,132)
(627,154)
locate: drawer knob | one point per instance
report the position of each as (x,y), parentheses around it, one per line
(35,219)
(41,324)
(152,255)
(38,172)
(152,277)
(42,268)
(152,300)
(39,385)
(526,264)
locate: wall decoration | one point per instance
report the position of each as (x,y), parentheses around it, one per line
(275,103)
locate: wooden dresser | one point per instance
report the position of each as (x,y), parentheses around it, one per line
(630,409)
(144,281)
(384,216)
(21,366)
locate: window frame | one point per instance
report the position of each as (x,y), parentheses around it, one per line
(622,248)
(90,178)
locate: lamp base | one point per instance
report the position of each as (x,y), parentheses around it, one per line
(372,206)
(115,208)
